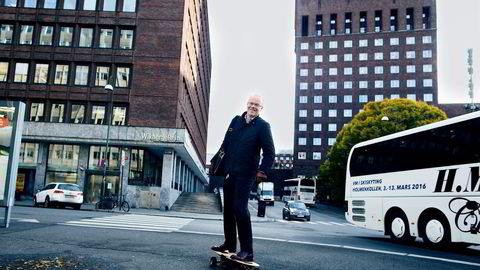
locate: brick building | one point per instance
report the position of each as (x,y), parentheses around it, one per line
(57,56)
(350,52)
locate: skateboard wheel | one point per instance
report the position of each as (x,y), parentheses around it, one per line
(213,261)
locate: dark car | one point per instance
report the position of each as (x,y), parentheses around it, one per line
(295,210)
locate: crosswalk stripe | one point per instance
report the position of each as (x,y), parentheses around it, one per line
(132,222)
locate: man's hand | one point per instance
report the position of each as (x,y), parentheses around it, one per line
(260,177)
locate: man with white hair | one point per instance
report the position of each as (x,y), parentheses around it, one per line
(245,137)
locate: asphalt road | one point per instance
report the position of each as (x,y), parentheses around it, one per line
(98,240)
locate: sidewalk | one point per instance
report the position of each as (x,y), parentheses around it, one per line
(157,212)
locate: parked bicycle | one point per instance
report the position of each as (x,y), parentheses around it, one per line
(124,206)
(111,202)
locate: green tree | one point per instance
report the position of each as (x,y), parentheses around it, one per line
(402,114)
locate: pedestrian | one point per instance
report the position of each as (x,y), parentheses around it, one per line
(245,137)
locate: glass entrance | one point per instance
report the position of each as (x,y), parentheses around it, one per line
(94,187)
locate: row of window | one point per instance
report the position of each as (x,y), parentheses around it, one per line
(411,83)
(363,26)
(427,68)
(377,42)
(315,155)
(66,36)
(348,98)
(63,73)
(348,57)
(103,5)
(316,127)
(77,113)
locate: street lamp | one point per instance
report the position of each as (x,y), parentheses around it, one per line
(108,88)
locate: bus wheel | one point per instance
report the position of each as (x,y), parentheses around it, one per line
(436,232)
(398,228)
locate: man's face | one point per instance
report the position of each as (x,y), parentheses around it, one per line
(254,106)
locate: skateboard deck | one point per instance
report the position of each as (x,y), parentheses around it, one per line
(226,258)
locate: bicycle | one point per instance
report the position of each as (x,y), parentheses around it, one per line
(123,204)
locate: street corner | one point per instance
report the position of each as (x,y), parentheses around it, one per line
(39,261)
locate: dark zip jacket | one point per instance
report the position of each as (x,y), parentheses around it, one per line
(242,144)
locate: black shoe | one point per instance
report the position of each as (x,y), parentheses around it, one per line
(222,248)
(243,256)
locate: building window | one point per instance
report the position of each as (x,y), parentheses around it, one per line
(81,75)
(410,68)
(426,23)
(332,127)
(41,73)
(119,115)
(410,40)
(26,35)
(347,85)
(305,26)
(394,84)
(302,141)
(123,77)
(363,70)
(46,35)
(106,38)
(333,24)
(98,115)
(363,22)
(318,58)
(303,72)
(347,44)
(317,156)
(427,82)
(303,99)
(89,4)
(317,141)
(409,22)
(318,45)
(410,54)
(394,96)
(412,96)
(98,156)
(363,56)
(21,72)
(427,53)
(332,58)
(109,5)
(332,85)
(36,112)
(347,113)
(77,115)
(378,97)
(28,153)
(394,41)
(427,68)
(66,36)
(411,83)
(8,3)
(318,85)
(318,72)
(303,59)
(332,113)
(363,43)
(363,98)
(6,33)
(363,84)
(50,4)
(303,86)
(317,99)
(304,46)
(347,99)
(317,113)
(394,69)
(302,113)
(393,20)
(427,39)
(61,74)
(347,57)
(378,84)
(302,127)
(378,21)
(319,25)
(302,155)
(348,23)
(347,71)
(101,77)
(332,71)
(332,99)
(378,42)
(379,70)
(63,157)
(86,37)
(394,55)
(333,44)
(317,127)
(331,141)
(129,5)
(428,97)
(378,56)
(3,71)
(57,113)
(69,4)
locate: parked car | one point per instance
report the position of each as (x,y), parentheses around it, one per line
(295,210)
(59,194)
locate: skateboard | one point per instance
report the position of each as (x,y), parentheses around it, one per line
(226,260)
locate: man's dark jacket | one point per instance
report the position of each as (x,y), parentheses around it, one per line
(242,144)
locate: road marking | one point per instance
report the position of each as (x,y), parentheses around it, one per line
(324,223)
(132,222)
(339,224)
(29,220)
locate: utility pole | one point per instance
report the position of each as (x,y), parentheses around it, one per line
(472,107)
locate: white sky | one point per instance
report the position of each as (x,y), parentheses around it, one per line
(252,46)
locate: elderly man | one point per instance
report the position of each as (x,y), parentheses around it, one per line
(245,137)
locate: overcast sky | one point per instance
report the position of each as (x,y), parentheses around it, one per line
(252,46)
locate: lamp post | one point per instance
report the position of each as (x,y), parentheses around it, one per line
(472,107)
(108,88)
